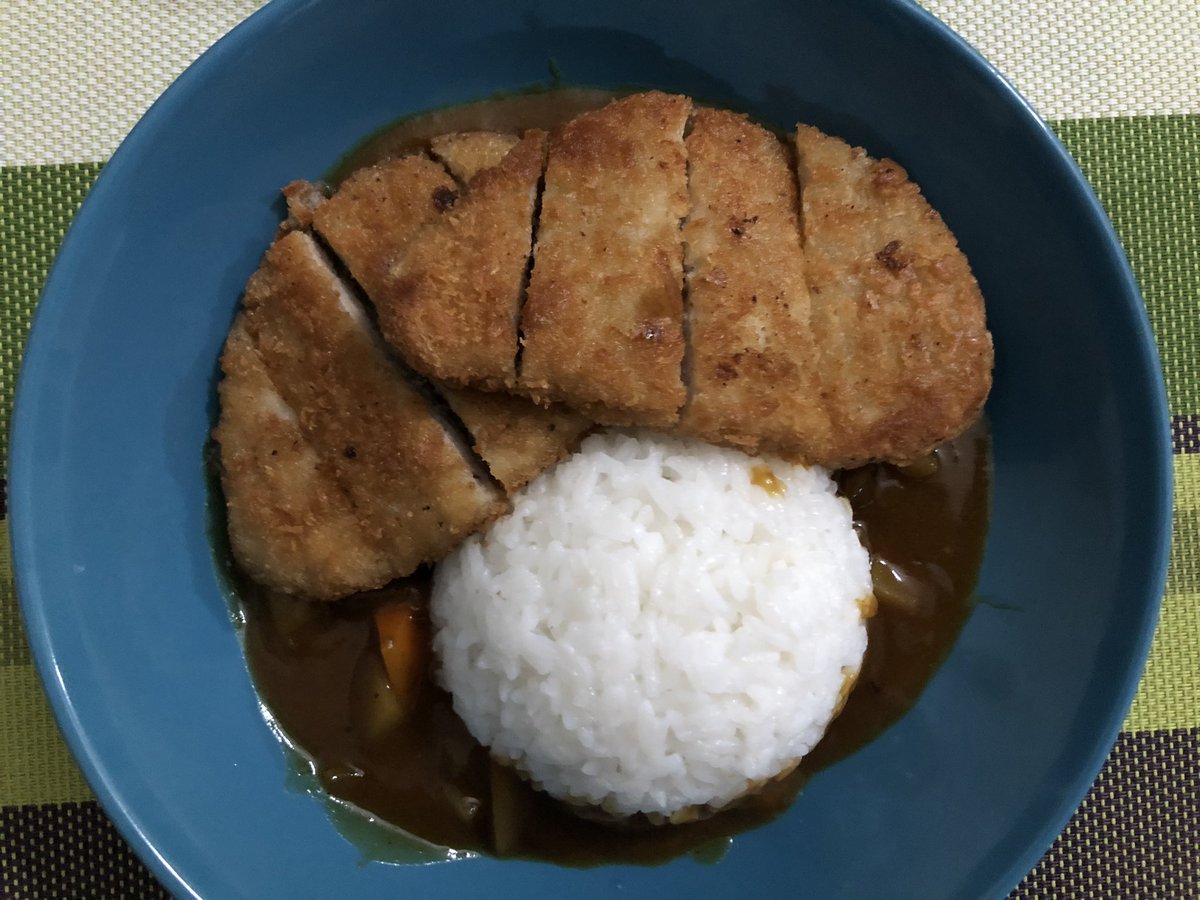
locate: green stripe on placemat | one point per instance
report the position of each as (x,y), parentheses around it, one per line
(1168,695)
(35,765)
(13,649)
(1183,572)
(37,204)
(1146,172)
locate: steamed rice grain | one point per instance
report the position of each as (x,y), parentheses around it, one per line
(650,630)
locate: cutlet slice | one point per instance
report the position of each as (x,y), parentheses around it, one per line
(906,358)
(413,489)
(518,439)
(372,216)
(302,198)
(291,526)
(370,219)
(467,153)
(753,360)
(453,300)
(603,322)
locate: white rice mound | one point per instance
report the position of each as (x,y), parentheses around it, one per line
(650,631)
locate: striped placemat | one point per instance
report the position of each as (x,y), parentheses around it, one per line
(1120,84)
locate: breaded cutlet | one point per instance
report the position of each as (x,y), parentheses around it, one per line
(372,217)
(752,360)
(516,438)
(291,526)
(453,298)
(602,324)
(906,358)
(302,199)
(414,490)
(467,153)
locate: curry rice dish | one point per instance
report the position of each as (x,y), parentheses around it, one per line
(649,263)
(440,331)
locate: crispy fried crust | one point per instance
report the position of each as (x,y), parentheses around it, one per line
(413,491)
(302,199)
(291,526)
(906,358)
(603,323)
(518,439)
(515,437)
(467,153)
(452,304)
(866,342)
(752,359)
(369,221)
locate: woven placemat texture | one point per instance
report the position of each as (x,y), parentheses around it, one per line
(1118,82)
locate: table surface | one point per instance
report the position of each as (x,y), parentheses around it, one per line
(1118,81)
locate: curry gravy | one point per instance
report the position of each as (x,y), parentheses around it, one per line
(318,669)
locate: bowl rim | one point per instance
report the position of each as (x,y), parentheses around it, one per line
(22,502)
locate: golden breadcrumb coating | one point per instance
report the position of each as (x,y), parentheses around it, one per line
(302,199)
(376,219)
(291,526)
(370,219)
(415,494)
(752,358)
(830,318)
(603,322)
(453,298)
(906,358)
(467,153)
(517,438)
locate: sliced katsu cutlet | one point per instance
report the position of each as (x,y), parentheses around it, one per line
(602,325)
(517,438)
(906,358)
(302,199)
(467,153)
(454,296)
(291,526)
(414,490)
(753,361)
(373,217)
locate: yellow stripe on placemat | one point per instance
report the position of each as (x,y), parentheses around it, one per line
(13,648)
(1168,696)
(35,765)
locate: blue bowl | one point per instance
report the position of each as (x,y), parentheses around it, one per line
(122,602)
